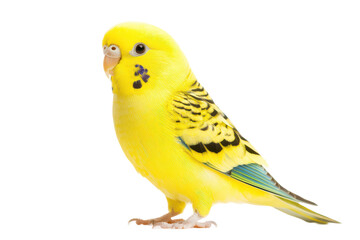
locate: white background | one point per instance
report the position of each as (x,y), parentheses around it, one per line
(285,72)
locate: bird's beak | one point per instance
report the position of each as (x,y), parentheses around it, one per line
(111,59)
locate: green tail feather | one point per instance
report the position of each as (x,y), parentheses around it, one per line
(299,211)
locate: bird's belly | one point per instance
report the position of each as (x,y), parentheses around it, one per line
(155,157)
(151,146)
(164,163)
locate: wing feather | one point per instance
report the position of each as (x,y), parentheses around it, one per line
(208,136)
(207,132)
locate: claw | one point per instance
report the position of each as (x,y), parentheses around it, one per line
(205,224)
(163,225)
(131,220)
(165,218)
(168,223)
(192,222)
(139,221)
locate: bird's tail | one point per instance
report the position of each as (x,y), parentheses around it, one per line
(299,211)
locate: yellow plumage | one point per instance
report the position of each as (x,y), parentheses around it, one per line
(174,134)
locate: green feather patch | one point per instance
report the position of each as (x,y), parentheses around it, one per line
(255,175)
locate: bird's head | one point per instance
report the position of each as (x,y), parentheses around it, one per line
(141,58)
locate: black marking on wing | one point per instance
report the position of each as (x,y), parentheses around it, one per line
(207,107)
(196,113)
(242,137)
(195,105)
(236,140)
(250,150)
(204,128)
(198,89)
(186,109)
(181,115)
(214,113)
(204,95)
(214,147)
(225,143)
(186,104)
(198,148)
(194,83)
(202,99)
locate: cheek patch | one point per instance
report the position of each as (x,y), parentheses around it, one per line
(142,73)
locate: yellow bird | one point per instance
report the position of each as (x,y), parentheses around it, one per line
(173,133)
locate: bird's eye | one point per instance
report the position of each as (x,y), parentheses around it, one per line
(139,49)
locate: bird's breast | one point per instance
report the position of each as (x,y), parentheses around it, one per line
(145,134)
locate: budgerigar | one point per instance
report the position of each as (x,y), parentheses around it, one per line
(175,136)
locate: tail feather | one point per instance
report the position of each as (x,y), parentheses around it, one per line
(299,211)
(297,197)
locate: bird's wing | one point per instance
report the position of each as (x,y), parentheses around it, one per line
(207,134)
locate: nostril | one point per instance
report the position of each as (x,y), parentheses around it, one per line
(113,51)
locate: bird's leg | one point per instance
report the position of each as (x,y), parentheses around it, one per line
(163,219)
(191,222)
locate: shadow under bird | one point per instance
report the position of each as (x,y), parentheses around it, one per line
(174,134)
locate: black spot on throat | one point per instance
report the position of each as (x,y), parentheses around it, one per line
(137,84)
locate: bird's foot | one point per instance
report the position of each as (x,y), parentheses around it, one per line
(192,222)
(154,221)
(166,219)
(184,225)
